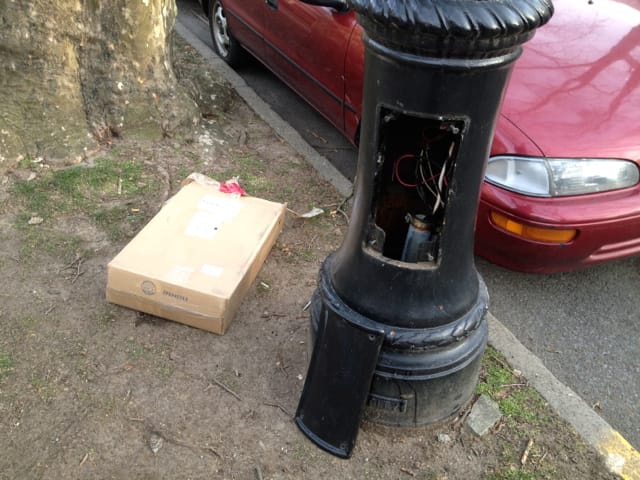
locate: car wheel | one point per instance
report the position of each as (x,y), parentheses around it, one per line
(224,43)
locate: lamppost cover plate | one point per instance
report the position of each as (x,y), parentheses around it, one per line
(337,385)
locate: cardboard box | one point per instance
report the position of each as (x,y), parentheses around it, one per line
(195,260)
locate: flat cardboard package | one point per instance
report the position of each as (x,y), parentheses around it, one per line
(195,260)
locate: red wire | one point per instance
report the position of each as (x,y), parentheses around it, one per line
(402,182)
(395,171)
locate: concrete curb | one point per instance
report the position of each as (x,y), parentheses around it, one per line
(620,456)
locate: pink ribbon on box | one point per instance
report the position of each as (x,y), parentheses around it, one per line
(232,186)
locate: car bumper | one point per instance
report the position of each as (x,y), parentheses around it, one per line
(607,227)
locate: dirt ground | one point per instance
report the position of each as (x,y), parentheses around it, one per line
(93,390)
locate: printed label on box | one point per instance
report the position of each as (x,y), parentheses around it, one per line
(226,208)
(212,213)
(211,270)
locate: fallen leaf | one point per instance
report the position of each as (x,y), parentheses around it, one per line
(314,212)
(155,442)
(502,394)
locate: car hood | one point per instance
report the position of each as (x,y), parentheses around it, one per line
(575,91)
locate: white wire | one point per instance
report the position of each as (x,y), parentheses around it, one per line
(441,180)
(424,181)
(437,204)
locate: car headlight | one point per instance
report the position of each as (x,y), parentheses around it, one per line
(557,177)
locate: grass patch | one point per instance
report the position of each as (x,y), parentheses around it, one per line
(119,222)
(183,172)
(37,240)
(43,387)
(164,369)
(26,163)
(517,401)
(257,181)
(524,410)
(526,405)
(92,191)
(522,474)
(134,350)
(107,314)
(6,365)
(250,164)
(515,475)
(80,188)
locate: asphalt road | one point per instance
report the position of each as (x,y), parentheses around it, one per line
(583,325)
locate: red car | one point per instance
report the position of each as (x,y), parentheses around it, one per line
(562,184)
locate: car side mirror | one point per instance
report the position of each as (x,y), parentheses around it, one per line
(338,5)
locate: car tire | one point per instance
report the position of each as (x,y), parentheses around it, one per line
(224,43)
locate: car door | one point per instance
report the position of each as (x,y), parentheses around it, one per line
(306,46)
(246,20)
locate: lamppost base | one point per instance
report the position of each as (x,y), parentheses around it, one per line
(391,375)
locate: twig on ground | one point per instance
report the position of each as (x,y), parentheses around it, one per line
(171,439)
(277,405)
(212,450)
(77,264)
(345,200)
(310,244)
(407,471)
(346,217)
(296,330)
(322,139)
(258,472)
(224,387)
(76,260)
(78,272)
(340,206)
(544,455)
(84,459)
(462,417)
(525,454)
(280,364)
(49,310)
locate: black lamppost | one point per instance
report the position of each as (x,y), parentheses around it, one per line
(399,314)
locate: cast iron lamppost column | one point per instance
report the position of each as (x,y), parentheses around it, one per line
(398,319)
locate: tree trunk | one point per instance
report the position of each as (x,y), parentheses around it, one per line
(74,73)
